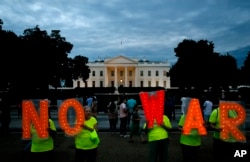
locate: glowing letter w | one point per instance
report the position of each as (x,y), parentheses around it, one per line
(153,106)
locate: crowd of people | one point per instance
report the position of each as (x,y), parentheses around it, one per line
(126,112)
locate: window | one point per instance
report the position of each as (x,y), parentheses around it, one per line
(78,83)
(101,83)
(157,83)
(141,73)
(141,83)
(121,73)
(149,83)
(112,83)
(156,73)
(149,73)
(164,73)
(101,73)
(93,73)
(165,84)
(130,73)
(112,73)
(93,83)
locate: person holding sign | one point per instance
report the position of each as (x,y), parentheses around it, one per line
(225,121)
(42,149)
(190,139)
(87,140)
(157,125)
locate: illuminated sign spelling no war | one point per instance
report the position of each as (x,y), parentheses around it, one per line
(153,106)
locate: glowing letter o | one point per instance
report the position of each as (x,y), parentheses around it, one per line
(63,120)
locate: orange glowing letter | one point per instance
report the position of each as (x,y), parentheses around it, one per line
(63,120)
(194,118)
(153,105)
(229,124)
(29,115)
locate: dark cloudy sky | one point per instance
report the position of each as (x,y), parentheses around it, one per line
(146,28)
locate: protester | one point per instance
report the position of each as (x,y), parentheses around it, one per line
(89,101)
(94,107)
(207,109)
(123,117)
(112,115)
(190,144)
(131,103)
(5,117)
(169,106)
(223,149)
(158,140)
(43,149)
(135,128)
(85,145)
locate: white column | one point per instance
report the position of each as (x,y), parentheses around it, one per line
(116,77)
(135,78)
(126,77)
(106,79)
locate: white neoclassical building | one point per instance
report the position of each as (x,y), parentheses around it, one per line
(126,72)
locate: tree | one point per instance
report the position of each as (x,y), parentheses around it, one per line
(79,68)
(193,64)
(245,70)
(228,71)
(9,45)
(41,59)
(59,60)
(200,67)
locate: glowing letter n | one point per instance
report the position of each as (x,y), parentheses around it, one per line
(29,114)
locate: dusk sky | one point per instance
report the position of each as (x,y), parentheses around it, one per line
(139,29)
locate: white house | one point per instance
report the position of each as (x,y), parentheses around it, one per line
(126,72)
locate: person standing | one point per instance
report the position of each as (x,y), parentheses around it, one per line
(85,146)
(89,101)
(5,117)
(131,103)
(94,107)
(207,109)
(123,116)
(169,107)
(223,149)
(112,115)
(190,144)
(158,140)
(135,128)
(43,149)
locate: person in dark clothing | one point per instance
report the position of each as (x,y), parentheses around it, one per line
(169,109)
(113,116)
(4,116)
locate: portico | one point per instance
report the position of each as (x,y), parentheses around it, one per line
(126,72)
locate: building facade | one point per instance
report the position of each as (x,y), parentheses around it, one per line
(126,72)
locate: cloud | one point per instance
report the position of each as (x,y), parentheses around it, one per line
(150,29)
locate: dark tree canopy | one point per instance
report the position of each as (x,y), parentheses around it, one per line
(245,69)
(200,67)
(36,59)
